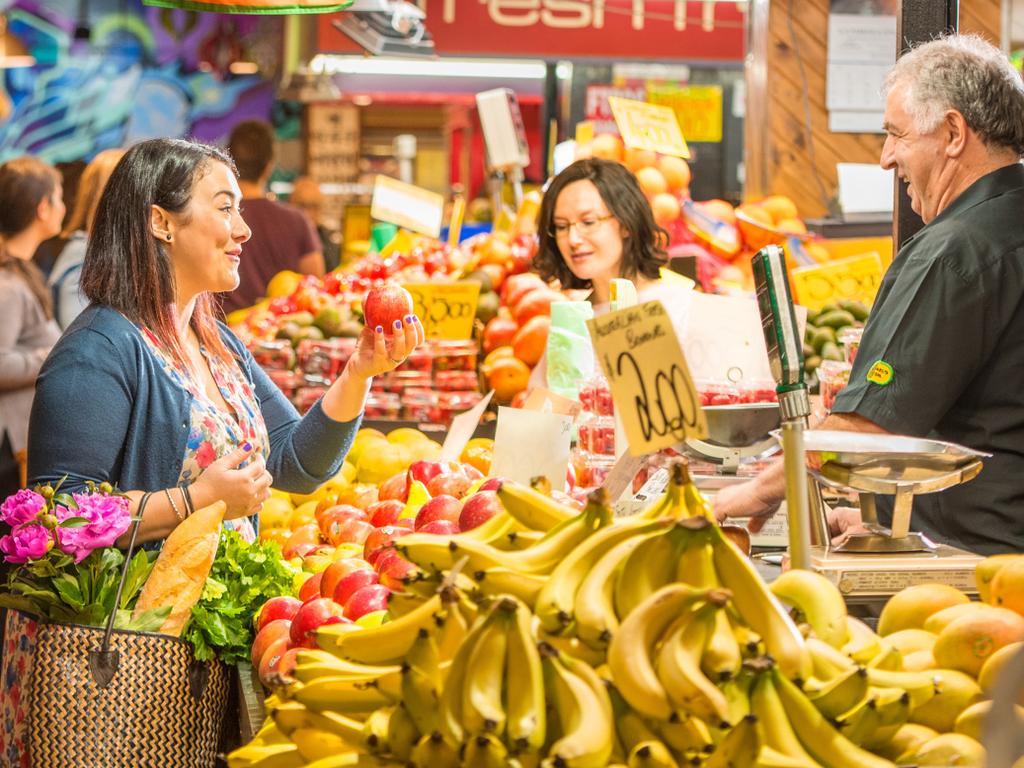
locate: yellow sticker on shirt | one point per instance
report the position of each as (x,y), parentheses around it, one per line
(880,373)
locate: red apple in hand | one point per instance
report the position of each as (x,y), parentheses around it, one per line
(478,509)
(366,600)
(441,528)
(385,513)
(352,583)
(443,507)
(275,630)
(312,615)
(338,570)
(386,304)
(283,607)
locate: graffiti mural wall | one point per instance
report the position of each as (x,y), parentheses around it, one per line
(109,73)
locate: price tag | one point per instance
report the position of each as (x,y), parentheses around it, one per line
(447,310)
(650,380)
(855,279)
(698,109)
(462,429)
(407,206)
(648,126)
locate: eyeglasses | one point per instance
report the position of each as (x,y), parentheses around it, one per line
(584,228)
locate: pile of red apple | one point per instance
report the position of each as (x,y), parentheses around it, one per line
(352,587)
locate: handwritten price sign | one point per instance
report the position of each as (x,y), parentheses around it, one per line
(648,126)
(649,378)
(852,279)
(447,310)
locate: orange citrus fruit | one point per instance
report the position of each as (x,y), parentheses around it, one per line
(780,207)
(791,226)
(676,172)
(607,146)
(666,208)
(719,209)
(651,181)
(635,159)
(507,377)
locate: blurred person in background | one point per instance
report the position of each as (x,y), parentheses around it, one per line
(307,197)
(68,301)
(31,211)
(48,251)
(282,237)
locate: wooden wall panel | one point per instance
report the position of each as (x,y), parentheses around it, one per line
(789,149)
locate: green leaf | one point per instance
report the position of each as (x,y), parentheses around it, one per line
(138,572)
(65,500)
(148,621)
(67,587)
(73,522)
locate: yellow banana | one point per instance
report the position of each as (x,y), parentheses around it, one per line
(491,531)
(422,681)
(722,654)
(570,646)
(504,581)
(826,661)
(906,741)
(484,751)
(266,756)
(771,758)
(823,742)
(390,642)
(877,718)
(631,649)
(432,751)
(737,695)
(818,602)
(403,602)
(532,508)
(633,730)
(314,743)
(402,733)
(922,687)
(749,641)
(350,760)
(648,568)
(516,540)
(526,725)
(739,748)
(678,665)
(687,735)
(340,694)
(760,609)
(863,645)
(584,715)
(312,663)
(771,718)
(291,715)
(450,710)
(482,707)
(888,658)
(376,730)
(840,694)
(452,625)
(693,501)
(651,754)
(594,607)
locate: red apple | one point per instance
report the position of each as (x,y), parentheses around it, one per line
(338,570)
(472,473)
(385,558)
(310,588)
(491,484)
(283,607)
(312,615)
(443,507)
(339,513)
(286,666)
(381,538)
(385,512)
(271,660)
(451,483)
(478,509)
(275,630)
(299,550)
(424,471)
(353,532)
(386,304)
(373,597)
(393,574)
(441,527)
(395,487)
(353,582)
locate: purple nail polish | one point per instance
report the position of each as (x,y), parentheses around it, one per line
(398,324)
(415,318)
(247,447)
(408,319)
(380,329)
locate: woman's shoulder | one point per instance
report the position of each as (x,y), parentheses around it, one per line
(100,326)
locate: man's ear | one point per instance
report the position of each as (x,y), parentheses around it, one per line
(955,129)
(160,225)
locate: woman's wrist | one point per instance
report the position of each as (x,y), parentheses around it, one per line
(346,397)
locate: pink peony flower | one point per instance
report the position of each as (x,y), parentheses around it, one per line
(107,518)
(30,541)
(22,507)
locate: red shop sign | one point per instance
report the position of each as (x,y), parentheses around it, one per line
(604,29)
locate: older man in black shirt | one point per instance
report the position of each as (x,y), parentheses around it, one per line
(943,351)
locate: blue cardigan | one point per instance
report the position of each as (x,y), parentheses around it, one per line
(105,410)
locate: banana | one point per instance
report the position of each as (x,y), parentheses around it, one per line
(629,654)
(516,540)
(340,694)
(422,681)
(491,531)
(722,654)
(482,707)
(651,754)
(450,710)
(349,760)
(840,694)
(526,723)
(314,743)
(770,758)
(749,641)
(632,730)
(570,646)
(826,661)
(863,645)
(648,568)
(452,625)
(556,600)
(760,609)
(737,695)
(888,658)
(687,735)
(594,606)
(823,742)
(484,751)
(739,748)
(403,602)
(291,716)
(774,724)
(266,756)
(920,686)
(504,581)
(818,601)
(402,733)
(377,729)
(584,714)
(390,642)
(532,508)
(693,501)
(312,663)
(877,718)
(432,751)
(678,664)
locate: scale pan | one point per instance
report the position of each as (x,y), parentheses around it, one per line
(856,449)
(737,426)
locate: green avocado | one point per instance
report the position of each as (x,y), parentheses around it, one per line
(855,308)
(837,319)
(830,351)
(823,336)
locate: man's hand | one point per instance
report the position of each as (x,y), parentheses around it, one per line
(757,499)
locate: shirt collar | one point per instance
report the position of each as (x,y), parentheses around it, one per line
(992,184)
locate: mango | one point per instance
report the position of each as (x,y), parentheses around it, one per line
(987,569)
(1008,587)
(381,460)
(967,642)
(955,691)
(972,720)
(939,620)
(906,741)
(910,607)
(993,667)
(908,641)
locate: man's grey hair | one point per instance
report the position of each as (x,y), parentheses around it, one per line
(967,74)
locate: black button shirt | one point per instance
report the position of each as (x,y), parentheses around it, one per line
(943,356)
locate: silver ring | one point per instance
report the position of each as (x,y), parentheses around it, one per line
(394,361)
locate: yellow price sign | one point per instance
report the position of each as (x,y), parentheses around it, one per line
(584,132)
(648,126)
(698,109)
(407,206)
(649,378)
(447,310)
(855,278)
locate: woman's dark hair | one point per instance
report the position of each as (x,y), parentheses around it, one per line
(126,267)
(644,252)
(24,183)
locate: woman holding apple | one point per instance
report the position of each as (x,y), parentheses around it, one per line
(146,390)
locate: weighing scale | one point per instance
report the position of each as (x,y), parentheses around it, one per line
(879,562)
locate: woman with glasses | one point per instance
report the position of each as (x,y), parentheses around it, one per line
(594,226)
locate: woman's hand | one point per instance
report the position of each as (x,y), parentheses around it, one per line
(379,351)
(243,489)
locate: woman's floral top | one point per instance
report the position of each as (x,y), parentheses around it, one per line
(214,432)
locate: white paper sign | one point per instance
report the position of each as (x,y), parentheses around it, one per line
(531,443)
(407,206)
(462,429)
(865,188)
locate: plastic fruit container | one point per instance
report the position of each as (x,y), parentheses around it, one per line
(850,340)
(833,375)
(421,405)
(453,381)
(420,359)
(451,404)
(400,382)
(596,396)
(382,405)
(325,358)
(597,436)
(285,381)
(274,355)
(454,355)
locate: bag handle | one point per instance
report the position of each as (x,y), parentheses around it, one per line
(103,662)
